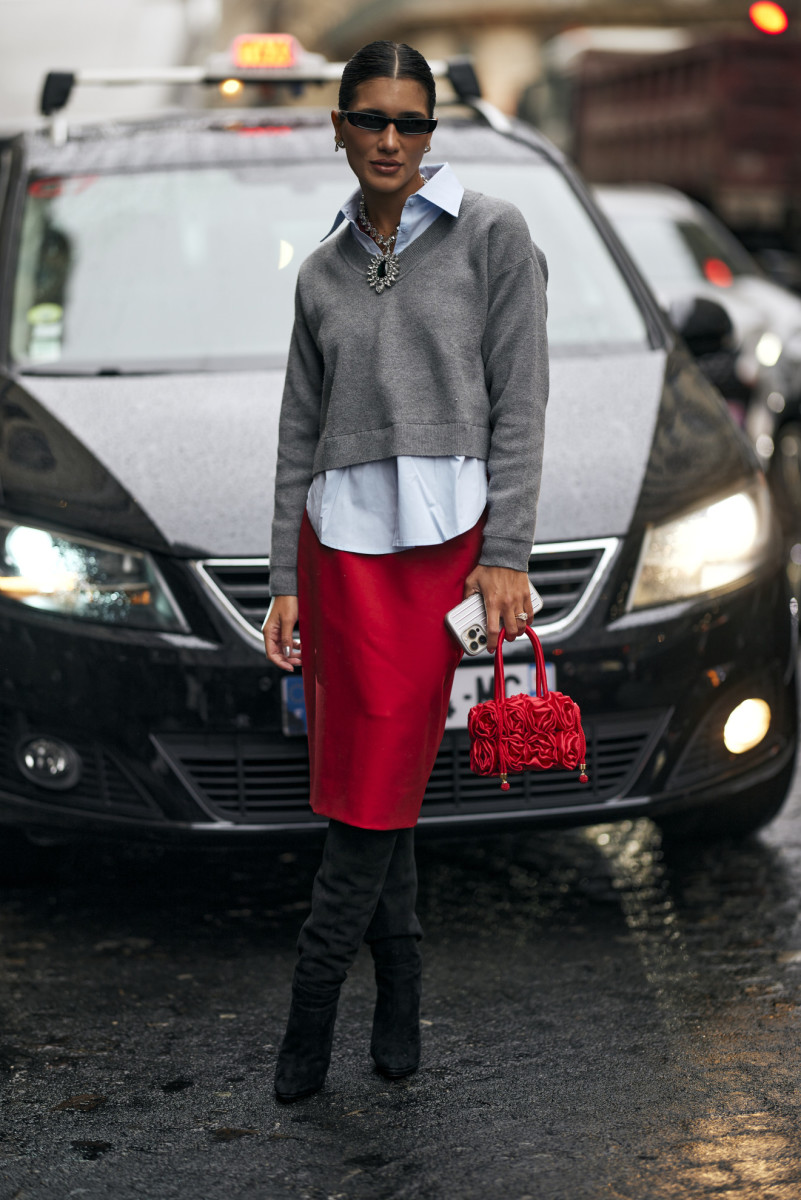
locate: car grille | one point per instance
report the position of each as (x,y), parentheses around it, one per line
(245,585)
(563,573)
(250,780)
(616,751)
(104,785)
(562,577)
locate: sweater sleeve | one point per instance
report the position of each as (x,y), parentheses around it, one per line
(298,433)
(515,351)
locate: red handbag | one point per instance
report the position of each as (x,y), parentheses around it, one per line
(525,733)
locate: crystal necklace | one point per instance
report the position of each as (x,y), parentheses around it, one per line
(383,269)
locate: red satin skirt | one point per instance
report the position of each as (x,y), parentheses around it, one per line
(378,667)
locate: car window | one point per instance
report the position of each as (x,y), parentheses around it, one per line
(707,241)
(589,302)
(195,265)
(198,266)
(670,251)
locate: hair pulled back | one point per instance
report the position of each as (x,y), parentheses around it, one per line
(386,60)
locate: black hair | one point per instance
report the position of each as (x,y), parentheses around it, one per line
(386,60)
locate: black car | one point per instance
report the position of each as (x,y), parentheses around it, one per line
(145,315)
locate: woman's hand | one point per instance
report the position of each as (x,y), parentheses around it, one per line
(506,594)
(281,648)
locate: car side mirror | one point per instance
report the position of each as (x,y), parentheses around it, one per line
(704,324)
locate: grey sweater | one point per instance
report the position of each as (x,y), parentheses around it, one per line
(451,359)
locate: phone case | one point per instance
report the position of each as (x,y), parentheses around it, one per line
(468,621)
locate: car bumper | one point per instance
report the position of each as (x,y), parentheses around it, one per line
(180,738)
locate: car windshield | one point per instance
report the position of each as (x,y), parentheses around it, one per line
(195,268)
(670,250)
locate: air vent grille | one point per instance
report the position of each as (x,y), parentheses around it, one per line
(254,780)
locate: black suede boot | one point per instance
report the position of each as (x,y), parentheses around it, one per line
(346,891)
(393,935)
(395,1044)
(306,1049)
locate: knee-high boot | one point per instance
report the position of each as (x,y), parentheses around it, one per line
(346,892)
(393,935)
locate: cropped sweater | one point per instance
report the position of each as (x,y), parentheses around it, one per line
(451,359)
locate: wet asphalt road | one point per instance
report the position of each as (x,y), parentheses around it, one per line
(599,1021)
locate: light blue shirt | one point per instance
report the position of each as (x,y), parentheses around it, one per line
(391,504)
(442,193)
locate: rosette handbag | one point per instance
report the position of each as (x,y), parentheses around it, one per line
(525,733)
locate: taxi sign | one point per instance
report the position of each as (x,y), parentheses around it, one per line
(768,17)
(265,50)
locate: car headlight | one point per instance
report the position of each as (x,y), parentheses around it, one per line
(768,349)
(78,577)
(712,547)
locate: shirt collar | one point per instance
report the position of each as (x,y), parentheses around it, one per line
(442,189)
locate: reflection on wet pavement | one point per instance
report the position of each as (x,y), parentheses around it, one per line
(600,1020)
(708,931)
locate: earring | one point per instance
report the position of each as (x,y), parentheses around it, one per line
(427,149)
(338,144)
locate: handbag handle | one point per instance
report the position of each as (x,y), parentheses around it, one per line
(539,658)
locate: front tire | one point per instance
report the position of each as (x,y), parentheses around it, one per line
(732,817)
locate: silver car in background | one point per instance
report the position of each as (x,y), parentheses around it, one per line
(686,253)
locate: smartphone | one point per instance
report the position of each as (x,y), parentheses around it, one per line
(468,621)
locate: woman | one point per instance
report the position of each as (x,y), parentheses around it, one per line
(409,456)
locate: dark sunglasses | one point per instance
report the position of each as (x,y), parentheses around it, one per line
(413,126)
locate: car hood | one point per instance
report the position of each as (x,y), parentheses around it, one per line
(186,463)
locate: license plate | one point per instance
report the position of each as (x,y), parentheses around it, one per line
(293,706)
(472,685)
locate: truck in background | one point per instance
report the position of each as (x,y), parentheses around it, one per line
(719,119)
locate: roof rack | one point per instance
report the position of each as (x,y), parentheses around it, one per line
(251,59)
